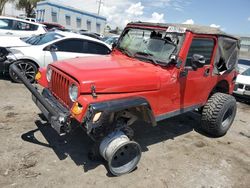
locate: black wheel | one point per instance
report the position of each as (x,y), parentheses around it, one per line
(27,68)
(218,114)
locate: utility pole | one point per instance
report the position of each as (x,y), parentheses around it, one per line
(99,6)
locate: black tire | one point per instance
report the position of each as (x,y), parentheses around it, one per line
(28,68)
(218,114)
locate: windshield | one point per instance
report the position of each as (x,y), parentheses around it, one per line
(157,45)
(111,40)
(246,72)
(42,39)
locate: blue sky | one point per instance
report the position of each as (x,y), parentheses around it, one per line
(232,16)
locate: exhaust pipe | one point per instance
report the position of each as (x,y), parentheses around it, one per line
(33,90)
(121,154)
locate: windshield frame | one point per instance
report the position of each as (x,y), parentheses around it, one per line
(176,51)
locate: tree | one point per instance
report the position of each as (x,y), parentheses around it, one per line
(2,4)
(28,6)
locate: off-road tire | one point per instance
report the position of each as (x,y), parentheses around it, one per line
(218,114)
(28,68)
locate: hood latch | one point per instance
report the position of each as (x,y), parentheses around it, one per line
(93,91)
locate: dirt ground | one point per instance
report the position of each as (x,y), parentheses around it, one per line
(175,154)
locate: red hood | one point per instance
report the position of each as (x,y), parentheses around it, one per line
(115,73)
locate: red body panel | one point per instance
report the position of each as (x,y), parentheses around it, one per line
(115,73)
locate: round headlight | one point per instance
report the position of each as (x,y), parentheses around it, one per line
(73,92)
(49,74)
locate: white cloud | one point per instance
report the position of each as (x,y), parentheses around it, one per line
(135,9)
(248,19)
(120,12)
(116,16)
(157,18)
(215,26)
(189,21)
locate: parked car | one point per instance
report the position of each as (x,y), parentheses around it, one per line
(10,26)
(111,40)
(7,42)
(43,49)
(242,86)
(93,35)
(31,19)
(53,26)
(243,64)
(156,71)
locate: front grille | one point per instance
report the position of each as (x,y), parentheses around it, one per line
(60,87)
(241,86)
(247,88)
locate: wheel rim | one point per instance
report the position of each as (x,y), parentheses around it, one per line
(125,158)
(27,70)
(227,117)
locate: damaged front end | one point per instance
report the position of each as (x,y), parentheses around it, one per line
(56,114)
(6,59)
(113,137)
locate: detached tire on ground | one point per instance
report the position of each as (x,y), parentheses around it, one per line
(28,68)
(121,154)
(218,114)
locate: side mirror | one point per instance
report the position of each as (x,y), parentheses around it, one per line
(51,48)
(198,61)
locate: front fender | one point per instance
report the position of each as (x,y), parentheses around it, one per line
(108,107)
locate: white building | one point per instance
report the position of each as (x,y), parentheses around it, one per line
(245,43)
(11,10)
(70,18)
(245,47)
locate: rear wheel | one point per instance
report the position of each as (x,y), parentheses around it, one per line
(218,114)
(27,68)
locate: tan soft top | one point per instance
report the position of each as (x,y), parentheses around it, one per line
(199,29)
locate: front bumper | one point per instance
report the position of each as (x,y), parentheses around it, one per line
(242,96)
(57,115)
(59,120)
(242,92)
(4,62)
(4,65)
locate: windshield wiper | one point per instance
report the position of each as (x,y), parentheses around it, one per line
(126,52)
(149,57)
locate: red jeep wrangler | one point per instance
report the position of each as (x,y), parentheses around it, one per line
(155,71)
